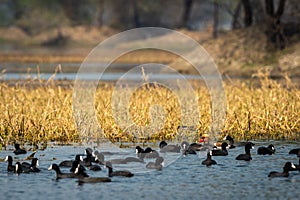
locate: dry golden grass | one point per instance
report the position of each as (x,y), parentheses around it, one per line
(38,111)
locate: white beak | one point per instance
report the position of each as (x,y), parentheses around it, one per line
(50,167)
(6,159)
(37,163)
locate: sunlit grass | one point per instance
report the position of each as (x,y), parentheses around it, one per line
(40,110)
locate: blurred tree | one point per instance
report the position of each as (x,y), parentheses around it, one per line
(235,16)
(274,31)
(34,16)
(80,12)
(247,13)
(187,9)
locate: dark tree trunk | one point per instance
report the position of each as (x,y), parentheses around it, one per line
(280,9)
(186,13)
(274,31)
(247,13)
(216,19)
(136,16)
(269,7)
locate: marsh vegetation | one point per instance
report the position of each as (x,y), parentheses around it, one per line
(38,110)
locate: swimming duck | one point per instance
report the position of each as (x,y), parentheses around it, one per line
(89,155)
(220,152)
(18,150)
(84,178)
(297,166)
(294,151)
(209,161)
(287,167)
(159,163)
(233,144)
(69,163)
(19,169)
(75,165)
(187,148)
(147,153)
(266,150)
(10,166)
(247,155)
(112,173)
(33,166)
(164,147)
(60,174)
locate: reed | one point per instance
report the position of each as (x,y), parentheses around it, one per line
(41,110)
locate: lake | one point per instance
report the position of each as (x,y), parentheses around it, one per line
(182,178)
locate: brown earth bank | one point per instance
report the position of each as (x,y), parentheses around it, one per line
(237,53)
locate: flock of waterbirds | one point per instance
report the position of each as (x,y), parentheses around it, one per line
(95,160)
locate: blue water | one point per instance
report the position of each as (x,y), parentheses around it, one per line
(185,178)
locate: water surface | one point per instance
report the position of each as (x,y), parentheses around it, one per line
(184,178)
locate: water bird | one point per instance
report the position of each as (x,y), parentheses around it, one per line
(33,167)
(297,166)
(19,169)
(230,140)
(75,164)
(133,159)
(112,173)
(233,144)
(10,166)
(89,155)
(220,152)
(187,148)
(266,150)
(87,162)
(99,158)
(294,151)
(60,174)
(18,150)
(165,147)
(209,161)
(287,167)
(159,163)
(247,155)
(129,159)
(147,153)
(69,163)
(196,147)
(204,139)
(84,178)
